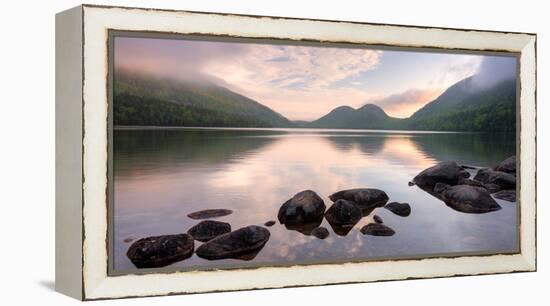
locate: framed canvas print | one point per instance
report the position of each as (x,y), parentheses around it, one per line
(200,152)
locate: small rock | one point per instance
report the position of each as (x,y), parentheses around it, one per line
(209,213)
(320,232)
(506,195)
(269,223)
(400,209)
(377,219)
(491,177)
(343,213)
(129,239)
(508,165)
(304,207)
(364,197)
(237,244)
(376,229)
(469,199)
(208,229)
(160,251)
(444,172)
(411,184)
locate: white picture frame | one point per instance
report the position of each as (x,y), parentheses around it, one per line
(82,74)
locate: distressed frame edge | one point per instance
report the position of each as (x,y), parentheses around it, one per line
(526,260)
(68,153)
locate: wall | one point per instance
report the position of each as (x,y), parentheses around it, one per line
(27,154)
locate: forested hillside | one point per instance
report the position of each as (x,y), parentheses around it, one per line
(140,100)
(465,106)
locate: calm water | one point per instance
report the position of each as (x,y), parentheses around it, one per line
(161,175)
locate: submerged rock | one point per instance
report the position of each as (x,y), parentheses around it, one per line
(343,213)
(377,219)
(506,195)
(304,207)
(209,229)
(400,209)
(444,172)
(320,232)
(495,179)
(160,251)
(376,229)
(364,197)
(237,244)
(209,213)
(508,165)
(469,199)
(411,184)
(269,223)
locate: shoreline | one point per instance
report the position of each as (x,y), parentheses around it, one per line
(359,131)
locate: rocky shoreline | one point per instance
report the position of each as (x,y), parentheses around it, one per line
(304,212)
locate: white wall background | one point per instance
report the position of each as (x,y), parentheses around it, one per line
(27,153)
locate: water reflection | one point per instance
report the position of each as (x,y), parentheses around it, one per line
(163,175)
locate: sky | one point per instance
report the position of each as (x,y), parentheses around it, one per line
(307,82)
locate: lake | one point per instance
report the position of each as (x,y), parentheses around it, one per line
(161,175)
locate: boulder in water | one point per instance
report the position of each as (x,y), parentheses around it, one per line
(208,229)
(363,197)
(469,199)
(400,209)
(343,213)
(447,172)
(236,244)
(160,251)
(508,165)
(304,207)
(495,179)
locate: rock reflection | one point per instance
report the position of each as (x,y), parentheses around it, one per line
(253,173)
(304,228)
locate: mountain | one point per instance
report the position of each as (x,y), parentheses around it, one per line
(143,100)
(470,106)
(467,105)
(368,116)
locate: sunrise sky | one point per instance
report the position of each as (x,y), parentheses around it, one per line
(304,82)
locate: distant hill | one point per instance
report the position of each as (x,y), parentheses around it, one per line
(141,100)
(368,116)
(467,106)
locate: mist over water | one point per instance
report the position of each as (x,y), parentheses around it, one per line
(161,175)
